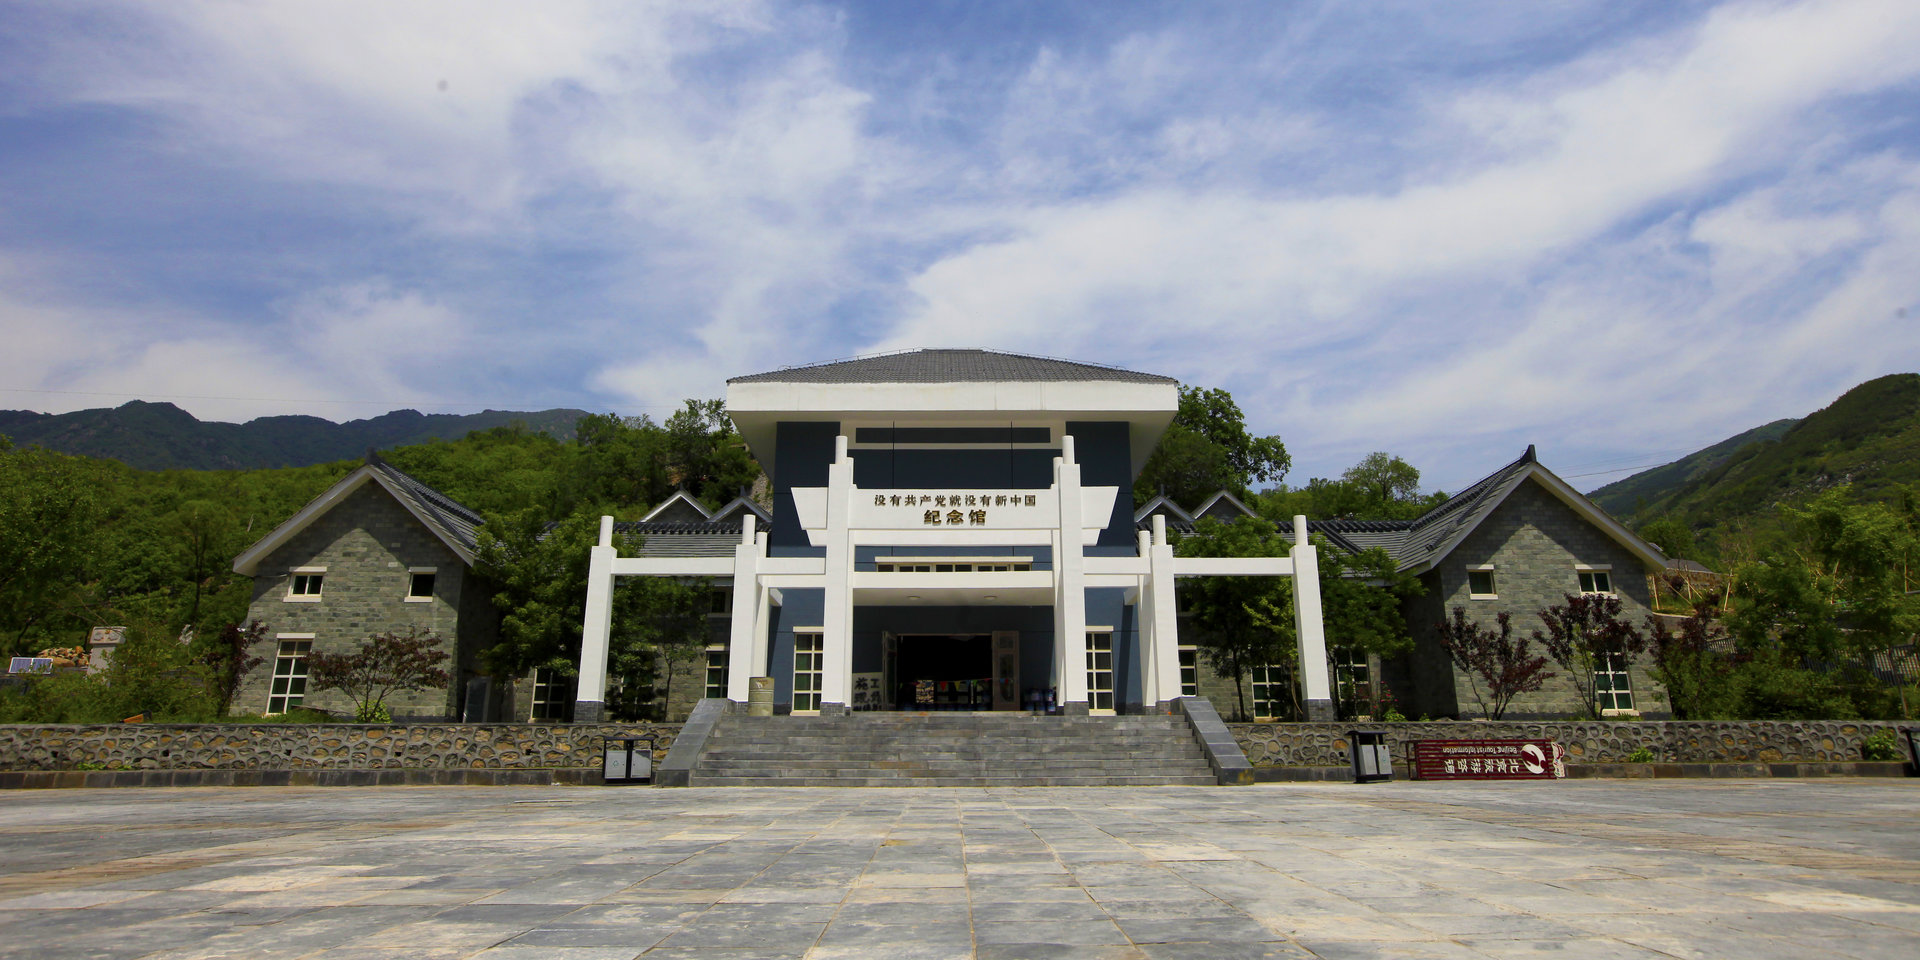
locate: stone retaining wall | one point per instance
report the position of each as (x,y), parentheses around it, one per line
(313,746)
(1671,741)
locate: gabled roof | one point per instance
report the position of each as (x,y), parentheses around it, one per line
(1162,504)
(1417,545)
(950,366)
(679,508)
(454,525)
(742,504)
(1420,543)
(1222,506)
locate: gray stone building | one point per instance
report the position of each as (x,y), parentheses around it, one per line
(1515,542)
(378,551)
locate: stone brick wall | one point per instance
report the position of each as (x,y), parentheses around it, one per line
(366,543)
(1533,541)
(296,746)
(1607,741)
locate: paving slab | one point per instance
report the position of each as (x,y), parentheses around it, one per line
(1590,868)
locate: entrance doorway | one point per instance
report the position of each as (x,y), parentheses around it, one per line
(935,671)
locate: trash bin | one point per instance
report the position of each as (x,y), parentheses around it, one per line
(1372,757)
(760,697)
(626,760)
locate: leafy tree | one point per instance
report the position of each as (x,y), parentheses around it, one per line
(1243,622)
(152,674)
(1671,535)
(1585,633)
(539,579)
(658,622)
(387,663)
(1498,666)
(49,523)
(203,536)
(1695,664)
(1208,448)
(705,455)
(228,656)
(1384,478)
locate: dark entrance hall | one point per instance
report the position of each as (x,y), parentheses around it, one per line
(944,672)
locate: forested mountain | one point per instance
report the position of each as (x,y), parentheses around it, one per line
(1623,497)
(161,436)
(1867,440)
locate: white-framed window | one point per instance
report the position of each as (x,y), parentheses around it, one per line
(809,667)
(553,694)
(1480,583)
(1352,674)
(1189,670)
(420,584)
(1611,684)
(1100,671)
(1267,693)
(717,672)
(304,584)
(289,672)
(952,564)
(1595,579)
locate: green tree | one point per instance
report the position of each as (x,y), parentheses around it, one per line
(1695,664)
(539,581)
(1383,478)
(49,536)
(1243,622)
(705,455)
(228,656)
(1671,535)
(1208,448)
(1380,487)
(660,625)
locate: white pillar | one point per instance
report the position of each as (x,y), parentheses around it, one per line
(836,686)
(1308,627)
(1166,613)
(1070,592)
(747,599)
(1143,620)
(590,697)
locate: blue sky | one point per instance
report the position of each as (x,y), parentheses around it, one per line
(1618,230)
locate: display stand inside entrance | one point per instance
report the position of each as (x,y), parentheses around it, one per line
(944,672)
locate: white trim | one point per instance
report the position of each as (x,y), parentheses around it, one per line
(306,569)
(1602,567)
(1492,575)
(293,636)
(1216,498)
(681,496)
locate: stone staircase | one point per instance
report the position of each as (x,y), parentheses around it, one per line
(951,750)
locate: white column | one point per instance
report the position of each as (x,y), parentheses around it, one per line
(760,660)
(837,620)
(1166,612)
(1143,619)
(1070,593)
(747,599)
(1308,627)
(591,690)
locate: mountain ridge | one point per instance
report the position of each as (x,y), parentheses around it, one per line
(161,436)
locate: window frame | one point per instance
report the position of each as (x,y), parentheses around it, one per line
(294,673)
(816,667)
(1188,655)
(1613,686)
(1101,699)
(1585,573)
(413,576)
(298,577)
(1274,677)
(709,685)
(541,694)
(1493,582)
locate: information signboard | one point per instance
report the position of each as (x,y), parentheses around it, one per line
(1488,760)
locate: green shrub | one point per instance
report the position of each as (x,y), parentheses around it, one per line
(1882,746)
(1640,755)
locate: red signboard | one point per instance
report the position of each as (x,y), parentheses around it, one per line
(1488,760)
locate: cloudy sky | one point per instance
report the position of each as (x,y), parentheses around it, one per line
(1620,230)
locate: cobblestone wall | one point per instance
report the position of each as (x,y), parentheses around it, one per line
(295,746)
(1675,741)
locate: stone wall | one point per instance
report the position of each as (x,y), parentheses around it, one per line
(296,746)
(1609,741)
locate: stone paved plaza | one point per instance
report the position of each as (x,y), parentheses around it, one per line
(1585,869)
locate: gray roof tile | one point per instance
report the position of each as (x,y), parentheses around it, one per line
(950,366)
(451,520)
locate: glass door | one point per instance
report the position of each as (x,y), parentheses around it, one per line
(809,661)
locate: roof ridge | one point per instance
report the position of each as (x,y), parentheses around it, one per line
(944,351)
